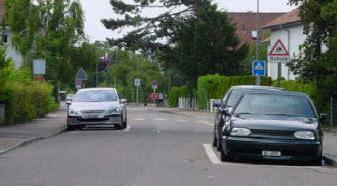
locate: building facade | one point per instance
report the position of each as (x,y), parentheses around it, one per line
(289,30)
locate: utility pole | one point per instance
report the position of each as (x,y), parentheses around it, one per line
(258,78)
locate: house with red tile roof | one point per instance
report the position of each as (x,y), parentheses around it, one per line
(286,29)
(245,23)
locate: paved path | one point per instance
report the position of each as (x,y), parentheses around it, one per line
(160,148)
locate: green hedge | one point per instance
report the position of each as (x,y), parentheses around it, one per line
(174,95)
(215,86)
(26,100)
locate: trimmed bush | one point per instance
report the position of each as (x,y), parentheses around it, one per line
(27,100)
(216,86)
(174,95)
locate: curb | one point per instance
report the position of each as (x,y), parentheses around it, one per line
(330,160)
(30,140)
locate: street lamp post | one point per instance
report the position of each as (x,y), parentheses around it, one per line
(258,79)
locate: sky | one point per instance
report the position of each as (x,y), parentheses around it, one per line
(95,10)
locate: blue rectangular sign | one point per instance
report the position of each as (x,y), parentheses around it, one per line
(259,68)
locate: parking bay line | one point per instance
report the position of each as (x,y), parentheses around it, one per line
(212,156)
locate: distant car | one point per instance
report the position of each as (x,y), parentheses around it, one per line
(279,126)
(97,106)
(230,99)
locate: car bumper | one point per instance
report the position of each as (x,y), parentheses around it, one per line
(115,119)
(297,150)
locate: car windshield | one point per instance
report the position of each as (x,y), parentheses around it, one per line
(285,105)
(95,96)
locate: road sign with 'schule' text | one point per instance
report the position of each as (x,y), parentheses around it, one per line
(278,53)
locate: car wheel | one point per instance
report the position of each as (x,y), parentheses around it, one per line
(224,156)
(214,141)
(71,127)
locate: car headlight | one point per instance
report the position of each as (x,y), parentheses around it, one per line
(307,135)
(72,112)
(240,132)
(114,110)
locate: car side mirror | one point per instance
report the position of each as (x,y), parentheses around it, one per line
(123,101)
(217,104)
(68,102)
(225,112)
(323,117)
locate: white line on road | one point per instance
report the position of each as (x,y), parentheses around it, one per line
(181,120)
(127,129)
(138,119)
(211,155)
(159,119)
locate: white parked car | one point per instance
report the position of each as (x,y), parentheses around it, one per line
(97,106)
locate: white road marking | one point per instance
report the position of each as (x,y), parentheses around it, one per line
(138,119)
(181,120)
(159,119)
(211,155)
(127,129)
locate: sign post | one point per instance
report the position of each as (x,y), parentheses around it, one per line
(154,85)
(279,54)
(137,84)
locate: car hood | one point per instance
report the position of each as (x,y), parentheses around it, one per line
(275,123)
(94,105)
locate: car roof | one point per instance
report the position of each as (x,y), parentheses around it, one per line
(95,89)
(256,87)
(289,93)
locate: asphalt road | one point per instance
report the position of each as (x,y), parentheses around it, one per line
(160,148)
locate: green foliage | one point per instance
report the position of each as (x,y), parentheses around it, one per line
(52,30)
(201,50)
(25,99)
(128,66)
(216,86)
(317,61)
(175,93)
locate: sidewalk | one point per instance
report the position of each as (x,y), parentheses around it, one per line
(330,146)
(13,136)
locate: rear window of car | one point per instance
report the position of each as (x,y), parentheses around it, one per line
(268,104)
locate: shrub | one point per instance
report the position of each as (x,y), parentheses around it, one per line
(27,100)
(174,95)
(215,86)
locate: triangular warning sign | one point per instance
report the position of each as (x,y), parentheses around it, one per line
(81,75)
(279,49)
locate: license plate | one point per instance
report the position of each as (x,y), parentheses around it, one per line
(90,116)
(271,153)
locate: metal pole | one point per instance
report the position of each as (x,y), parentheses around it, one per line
(137,94)
(258,79)
(331,111)
(97,74)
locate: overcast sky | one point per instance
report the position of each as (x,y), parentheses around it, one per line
(95,10)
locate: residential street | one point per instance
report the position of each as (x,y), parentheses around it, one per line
(160,148)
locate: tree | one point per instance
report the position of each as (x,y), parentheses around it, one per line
(317,61)
(205,43)
(148,32)
(53,30)
(193,37)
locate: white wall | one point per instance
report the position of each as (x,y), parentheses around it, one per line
(296,38)
(12,53)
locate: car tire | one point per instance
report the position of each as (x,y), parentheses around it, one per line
(214,143)
(71,127)
(224,156)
